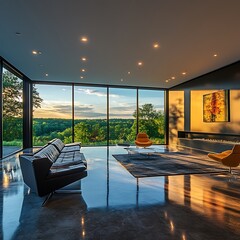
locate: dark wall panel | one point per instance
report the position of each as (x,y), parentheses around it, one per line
(224,78)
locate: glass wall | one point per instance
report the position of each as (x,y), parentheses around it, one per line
(90,115)
(52,113)
(12,112)
(84,117)
(122,115)
(151,114)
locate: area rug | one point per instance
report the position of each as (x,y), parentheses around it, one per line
(166,164)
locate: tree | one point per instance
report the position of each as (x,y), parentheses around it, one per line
(13,106)
(150,121)
(13,96)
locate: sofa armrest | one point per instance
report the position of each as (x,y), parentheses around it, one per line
(34,171)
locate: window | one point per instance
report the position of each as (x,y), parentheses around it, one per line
(90,115)
(83,116)
(151,114)
(122,115)
(12,112)
(52,115)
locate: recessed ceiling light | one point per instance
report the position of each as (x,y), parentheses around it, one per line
(121,80)
(215,55)
(129,73)
(35,52)
(81,77)
(46,74)
(84,59)
(172,78)
(84,39)
(184,73)
(166,80)
(140,63)
(155,45)
(83,70)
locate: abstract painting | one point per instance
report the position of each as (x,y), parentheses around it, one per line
(215,106)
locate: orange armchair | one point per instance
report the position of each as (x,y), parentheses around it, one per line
(229,158)
(143,140)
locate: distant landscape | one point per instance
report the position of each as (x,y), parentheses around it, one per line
(88,131)
(52,112)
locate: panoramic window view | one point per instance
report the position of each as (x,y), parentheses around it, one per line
(52,113)
(122,106)
(86,122)
(151,114)
(12,112)
(90,115)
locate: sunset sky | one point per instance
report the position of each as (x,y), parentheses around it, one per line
(91,102)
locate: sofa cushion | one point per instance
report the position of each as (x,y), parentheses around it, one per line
(65,164)
(71,157)
(49,152)
(58,144)
(61,147)
(71,148)
(56,172)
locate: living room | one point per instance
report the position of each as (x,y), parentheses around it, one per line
(99,73)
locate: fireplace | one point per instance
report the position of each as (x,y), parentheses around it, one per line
(210,142)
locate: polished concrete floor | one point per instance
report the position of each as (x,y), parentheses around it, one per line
(115,205)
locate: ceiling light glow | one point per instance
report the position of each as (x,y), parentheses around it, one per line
(184,73)
(84,59)
(83,70)
(155,45)
(140,63)
(215,55)
(36,52)
(84,39)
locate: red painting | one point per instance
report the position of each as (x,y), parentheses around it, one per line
(215,107)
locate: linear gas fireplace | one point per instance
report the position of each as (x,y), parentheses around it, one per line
(210,142)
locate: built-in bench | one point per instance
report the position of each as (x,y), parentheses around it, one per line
(53,166)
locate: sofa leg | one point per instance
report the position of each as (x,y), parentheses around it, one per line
(49,196)
(68,191)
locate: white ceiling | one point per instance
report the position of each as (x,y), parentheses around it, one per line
(120,33)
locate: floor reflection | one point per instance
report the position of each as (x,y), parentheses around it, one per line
(115,205)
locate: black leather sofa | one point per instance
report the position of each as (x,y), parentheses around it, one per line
(52,167)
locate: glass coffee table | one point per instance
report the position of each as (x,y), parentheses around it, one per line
(146,152)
